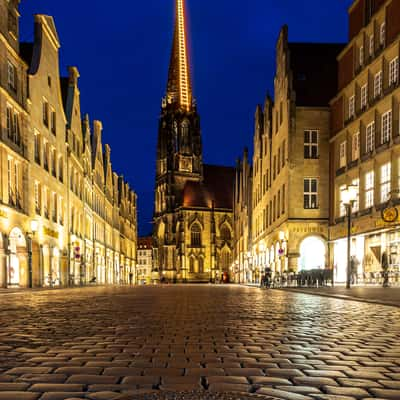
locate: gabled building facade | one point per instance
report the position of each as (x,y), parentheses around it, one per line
(62,218)
(290,205)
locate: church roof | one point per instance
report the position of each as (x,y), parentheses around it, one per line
(216,187)
(311,64)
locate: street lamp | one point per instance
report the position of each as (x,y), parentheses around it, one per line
(349,196)
(71,276)
(34,225)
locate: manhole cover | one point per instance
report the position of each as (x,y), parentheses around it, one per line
(202,395)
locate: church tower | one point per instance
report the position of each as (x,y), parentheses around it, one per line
(193,201)
(179,147)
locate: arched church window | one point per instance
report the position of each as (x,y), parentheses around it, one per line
(195,235)
(201,265)
(176,137)
(226,234)
(191,265)
(185,128)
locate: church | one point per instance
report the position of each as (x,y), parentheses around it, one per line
(193,217)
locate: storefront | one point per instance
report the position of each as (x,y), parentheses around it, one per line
(17,265)
(369,251)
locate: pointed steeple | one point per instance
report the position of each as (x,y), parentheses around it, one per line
(179,87)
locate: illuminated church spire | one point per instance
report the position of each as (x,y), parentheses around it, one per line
(179,88)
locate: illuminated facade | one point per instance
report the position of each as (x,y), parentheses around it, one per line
(290,173)
(144,260)
(65,217)
(365,137)
(242,269)
(193,224)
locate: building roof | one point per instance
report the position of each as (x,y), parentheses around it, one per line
(314,68)
(215,190)
(145,242)
(26,52)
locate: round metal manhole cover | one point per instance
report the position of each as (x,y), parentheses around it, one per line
(202,395)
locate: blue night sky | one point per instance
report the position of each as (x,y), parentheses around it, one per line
(122,51)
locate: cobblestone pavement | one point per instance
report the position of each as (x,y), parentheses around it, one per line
(372,294)
(106,343)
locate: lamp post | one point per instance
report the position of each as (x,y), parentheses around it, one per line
(71,264)
(348,197)
(34,228)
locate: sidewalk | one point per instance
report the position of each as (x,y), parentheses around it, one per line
(370,294)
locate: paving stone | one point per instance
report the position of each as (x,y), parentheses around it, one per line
(355,392)
(18,395)
(92,379)
(280,394)
(386,393)
(56,387)
(63,396)
(13,387)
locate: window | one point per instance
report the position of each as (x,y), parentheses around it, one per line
(46,202)
(38,198)
(45,113)
(191,265)
(279,160)
(342,155)
(310,193)
(13,127)
(54,163)
(274,209)
(394,71)
(283,199)
(356,146)
(371,45)
(369,189)
(278,204)
(370,138)
(201,265)
(361,54)
(37,147)
(55,206)
(352,103)
(225,234)
(61,213)
(310,144)
(60,169)
(342,210)
(274,167)
(53,122)
(196,235)
(11,193)
(364,96)
(378,84)
(385,182)
(46,156)
(382,34)
(11,76)
(283,153)
(386,127)
(356,204)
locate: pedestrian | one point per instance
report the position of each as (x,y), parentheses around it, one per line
(385,269)
(130,278)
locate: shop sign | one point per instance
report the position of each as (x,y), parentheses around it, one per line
(390,214)
(49,232)
(308,229)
